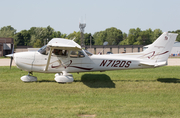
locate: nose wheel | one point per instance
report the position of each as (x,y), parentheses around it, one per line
(29,78)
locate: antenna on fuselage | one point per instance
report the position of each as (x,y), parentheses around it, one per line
(74,38)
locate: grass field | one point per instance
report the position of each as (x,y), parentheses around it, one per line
(113,94)
(3,57)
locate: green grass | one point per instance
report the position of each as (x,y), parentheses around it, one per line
(113,94)
(3,57)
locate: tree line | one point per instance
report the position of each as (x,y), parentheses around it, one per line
(38,36)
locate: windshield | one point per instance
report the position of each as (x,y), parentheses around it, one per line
(44,50)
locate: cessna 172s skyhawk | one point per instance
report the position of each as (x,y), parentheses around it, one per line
(63,56)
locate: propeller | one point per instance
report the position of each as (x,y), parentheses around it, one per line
(11,62)
(11,55)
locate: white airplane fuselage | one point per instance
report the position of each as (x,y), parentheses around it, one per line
(36,62)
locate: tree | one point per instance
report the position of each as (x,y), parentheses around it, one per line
(41,34)
(7,32)
(58,34)
(87,39)
(37,36)
(124,36)
(132,37)
(178,32)
(26,37)
(17,39)
(37,44)
(99,38)
(30,37)
(112,35)
(139,37)
(156,34)
(38,33)
(63,35)
(49,31)
(75,35)
(124,42)
(22,38)
(144,37)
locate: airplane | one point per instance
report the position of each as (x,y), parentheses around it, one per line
(63,56)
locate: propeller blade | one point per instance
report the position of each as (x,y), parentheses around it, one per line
(13,50)
(11,55)
(11,62)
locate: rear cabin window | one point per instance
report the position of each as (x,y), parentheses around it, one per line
(77,54)
(88,53)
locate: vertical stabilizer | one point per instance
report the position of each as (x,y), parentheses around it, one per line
(159,51)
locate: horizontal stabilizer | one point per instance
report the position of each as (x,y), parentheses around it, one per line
(147,63)
(157,64)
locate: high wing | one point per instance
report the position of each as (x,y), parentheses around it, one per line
(64,44)
(60,43)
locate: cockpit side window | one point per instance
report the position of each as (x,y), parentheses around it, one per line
(60,52)
(77,54)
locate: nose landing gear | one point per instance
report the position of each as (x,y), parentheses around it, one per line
(29,78)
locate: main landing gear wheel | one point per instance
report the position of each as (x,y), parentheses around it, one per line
(29,78)
(63,77)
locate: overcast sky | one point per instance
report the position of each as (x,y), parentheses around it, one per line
(64,15)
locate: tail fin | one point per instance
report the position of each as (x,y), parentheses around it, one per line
(158,52)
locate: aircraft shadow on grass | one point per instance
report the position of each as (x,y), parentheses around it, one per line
(134,80)
(97,81)
(40,81)
(169,80)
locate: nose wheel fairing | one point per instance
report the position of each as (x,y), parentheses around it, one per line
(29,78)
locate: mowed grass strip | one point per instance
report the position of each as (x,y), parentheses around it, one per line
(126,93)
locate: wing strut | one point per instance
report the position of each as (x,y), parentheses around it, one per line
(49,58)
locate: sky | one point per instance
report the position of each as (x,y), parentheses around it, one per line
(65,15)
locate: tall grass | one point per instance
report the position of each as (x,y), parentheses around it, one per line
(128,93)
